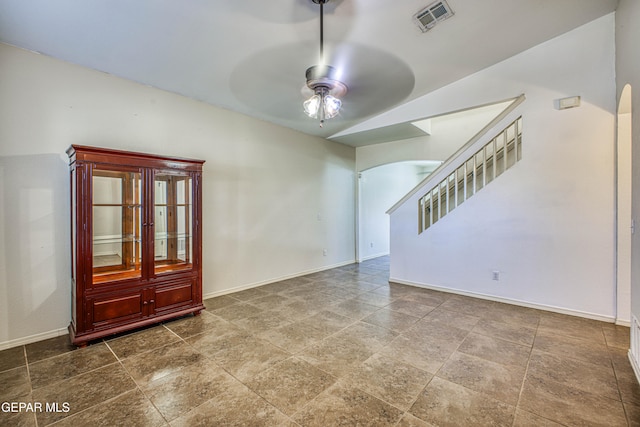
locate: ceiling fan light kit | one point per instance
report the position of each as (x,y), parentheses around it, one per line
(321,79)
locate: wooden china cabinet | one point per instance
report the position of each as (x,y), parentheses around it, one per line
(136,240)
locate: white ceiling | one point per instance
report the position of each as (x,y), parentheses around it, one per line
(250,56)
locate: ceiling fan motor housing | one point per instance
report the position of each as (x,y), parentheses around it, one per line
(323,76)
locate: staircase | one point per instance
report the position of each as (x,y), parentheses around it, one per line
(476,172)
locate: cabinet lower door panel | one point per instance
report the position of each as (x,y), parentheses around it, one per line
(117,309)
(174,296)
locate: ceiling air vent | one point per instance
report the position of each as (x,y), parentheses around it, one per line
(428,17)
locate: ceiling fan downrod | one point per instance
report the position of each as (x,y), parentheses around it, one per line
(324,104)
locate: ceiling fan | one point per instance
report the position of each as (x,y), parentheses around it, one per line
(365,78)
(325,102)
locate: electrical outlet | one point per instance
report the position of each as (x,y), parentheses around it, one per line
(495,275)
(371,244)
(324,252)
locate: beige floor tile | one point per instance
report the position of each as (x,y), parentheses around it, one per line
(249,358)
(444,403)
(347,406)
(12,358)
(83,391)
(219,302)
(390,380)
(193,325)
(495,349)
(187,388)
(370,336)
(568,405)
(250,294)
(617,336)
(427,354)
(237,311)
(513,314)
(162,361)
(48,348)
(354,309)
(130,409)
(633,414)
(263,321)
(291,384)
(15,384)
(393,290)
(378,279)
(70,364)
(512,332)
(455,319)
(468,305)
(236,406)
(326,322)
(134,343)
(335,356)
(595,379)
(572,326)
(527,419)
(270,301)
(392,320)
(497,381)
(409,420)
(16,417)
(580,349)
(426,297)
(292,337)
(336,347)
(412,308)
(428,329)
(627,382)
(226,336)
(299,308)
(376,299)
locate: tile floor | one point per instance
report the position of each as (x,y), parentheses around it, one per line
(336,348)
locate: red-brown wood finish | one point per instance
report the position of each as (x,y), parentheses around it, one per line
(120,302)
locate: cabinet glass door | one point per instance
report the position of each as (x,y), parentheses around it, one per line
(116,231)
(172,222)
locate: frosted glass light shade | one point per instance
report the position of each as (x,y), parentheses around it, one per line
(331,106)
(312,105)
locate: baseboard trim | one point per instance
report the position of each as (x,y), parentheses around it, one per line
(626,323)
(274,280)
(544,307)
(33,338)
(372,257)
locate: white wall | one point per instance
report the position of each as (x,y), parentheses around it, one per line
(273,198)
(628,80)
(548,223)
(379,189)
(448,133)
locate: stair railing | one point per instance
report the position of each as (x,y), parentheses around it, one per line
(492,160)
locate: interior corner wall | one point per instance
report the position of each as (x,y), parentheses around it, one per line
(628,73)
(547,224)
(273,199)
